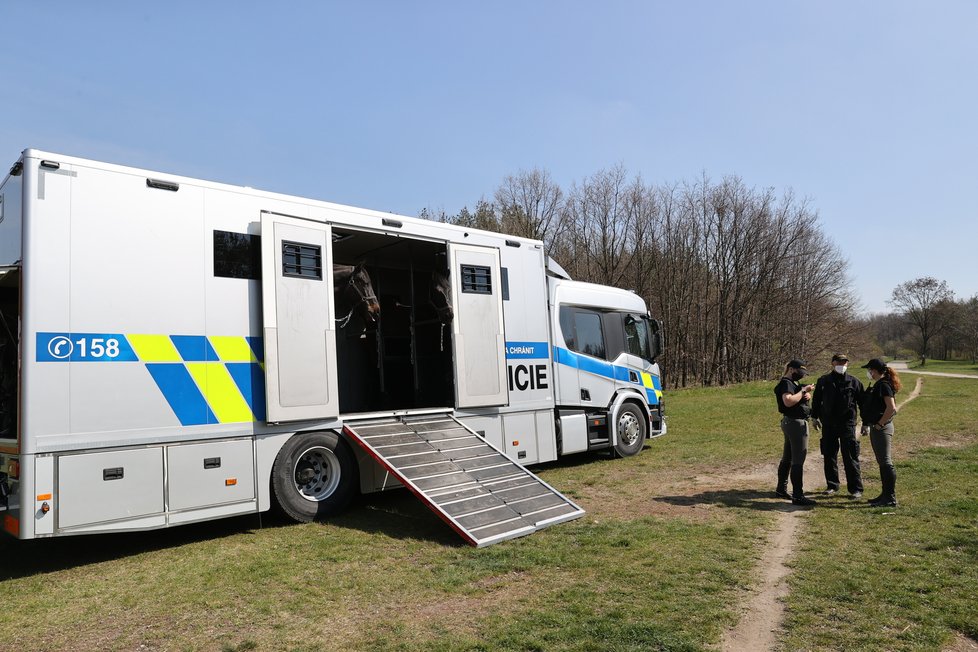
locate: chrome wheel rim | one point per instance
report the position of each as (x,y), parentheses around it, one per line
(316,474)
(629,429)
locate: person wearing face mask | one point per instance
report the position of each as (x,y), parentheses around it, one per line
(794,406)
(878,411)
(835,407)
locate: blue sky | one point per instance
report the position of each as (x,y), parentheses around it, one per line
(868,109)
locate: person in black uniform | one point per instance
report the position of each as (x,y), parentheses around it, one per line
(793,404)
(835,406)
(879,408)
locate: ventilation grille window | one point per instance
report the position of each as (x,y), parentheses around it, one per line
(476,279)
(302,260)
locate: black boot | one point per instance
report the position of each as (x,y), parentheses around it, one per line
(781,491)
(797,491)
(888,496)
(889,486)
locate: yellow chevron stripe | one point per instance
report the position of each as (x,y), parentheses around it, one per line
(154,348)
(647,380)
(232,348)
(217,386)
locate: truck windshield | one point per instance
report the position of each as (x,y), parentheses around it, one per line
(637,339)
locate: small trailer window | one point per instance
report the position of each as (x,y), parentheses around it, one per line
(476,279)
(237,255)
(302,260)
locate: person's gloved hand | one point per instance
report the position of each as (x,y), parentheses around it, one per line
(817,423)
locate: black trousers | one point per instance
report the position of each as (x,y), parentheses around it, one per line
(793,455)
(834,439)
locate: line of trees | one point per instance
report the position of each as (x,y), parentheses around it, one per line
(742,278)
(929,322)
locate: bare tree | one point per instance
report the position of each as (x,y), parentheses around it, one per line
(919,300)
(531,205)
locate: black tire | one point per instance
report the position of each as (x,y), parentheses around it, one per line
(631,428)
(314,476)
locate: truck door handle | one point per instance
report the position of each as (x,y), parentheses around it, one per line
(585,395)
(115,473)
(212,462)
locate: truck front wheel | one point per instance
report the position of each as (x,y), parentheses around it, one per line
(314,476)
(630,428)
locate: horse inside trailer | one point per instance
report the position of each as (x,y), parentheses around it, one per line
(403,358)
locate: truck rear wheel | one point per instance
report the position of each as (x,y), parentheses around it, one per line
(314,476)
(631,428)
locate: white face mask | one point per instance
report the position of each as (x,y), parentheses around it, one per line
(841,368)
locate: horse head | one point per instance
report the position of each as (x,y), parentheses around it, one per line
(352,282)
(440,295)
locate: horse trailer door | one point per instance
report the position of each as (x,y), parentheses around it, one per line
(479,341)
(298,319)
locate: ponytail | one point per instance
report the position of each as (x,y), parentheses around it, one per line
(893,378)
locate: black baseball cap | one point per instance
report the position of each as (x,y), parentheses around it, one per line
(876,365)
(796,363)
(840,357)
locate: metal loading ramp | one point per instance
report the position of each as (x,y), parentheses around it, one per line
(481,493)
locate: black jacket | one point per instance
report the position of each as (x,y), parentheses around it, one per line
(837,399)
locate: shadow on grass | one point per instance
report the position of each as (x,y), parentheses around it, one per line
(396,514)
(752,499)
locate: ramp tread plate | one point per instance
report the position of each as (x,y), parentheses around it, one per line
(502,485)
(470,464)
(491,472)
(447,495)
(480,492)
(452,444)
(404,449)
(429,470)
(532,505)
(474,504)
(454,433)
(460,479)
(523,492)
(500,514)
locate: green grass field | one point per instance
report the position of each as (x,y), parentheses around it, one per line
(660,562)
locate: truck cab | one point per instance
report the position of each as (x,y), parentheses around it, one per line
(608,384)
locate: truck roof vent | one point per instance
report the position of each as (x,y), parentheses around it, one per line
(512,243)
(51,165)
(389,222)
(162,185)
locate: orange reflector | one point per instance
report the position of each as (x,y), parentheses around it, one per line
(516,442)
(11,525)
(597,422)
(44,496)
(230,482)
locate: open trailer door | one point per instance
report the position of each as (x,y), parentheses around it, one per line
(298,318)
(479,340)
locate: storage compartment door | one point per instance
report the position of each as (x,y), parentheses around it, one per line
(298,315)
(110,486)
(479,341)
(216,473)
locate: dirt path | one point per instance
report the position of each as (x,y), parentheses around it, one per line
(764,606)
(903,368)
(758,628)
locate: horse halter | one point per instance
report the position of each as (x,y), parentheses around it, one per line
(364,298)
